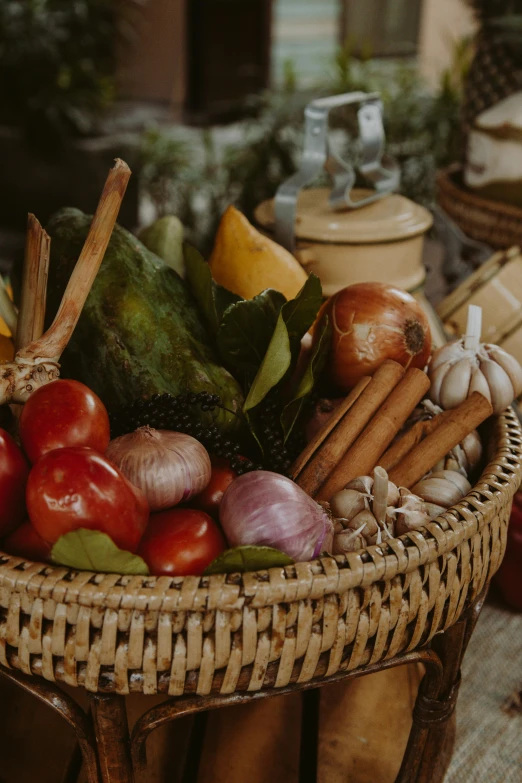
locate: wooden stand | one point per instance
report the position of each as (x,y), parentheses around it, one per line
(111,755)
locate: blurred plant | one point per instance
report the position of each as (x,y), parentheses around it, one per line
(422,133)
(56,65)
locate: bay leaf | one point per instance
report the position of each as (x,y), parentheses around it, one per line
(91,550)
(311,373)
(247,558)
(213,299)
(246,331)
(294,320)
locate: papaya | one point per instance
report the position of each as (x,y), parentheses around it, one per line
(140,332)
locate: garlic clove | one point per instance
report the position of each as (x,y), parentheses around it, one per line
(361,484)
(433,510)
(348,541)
(347,503)
(393,494)
(479,384)
(460,481)
(437,379)
(500,386)
(439,491)
(367,521)
(509,364)
(454,387)
(451,352)
(472,448)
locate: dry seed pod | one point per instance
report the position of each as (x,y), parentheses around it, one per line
(443,488)
(467,365)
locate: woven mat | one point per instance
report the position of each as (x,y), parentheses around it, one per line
(488,747)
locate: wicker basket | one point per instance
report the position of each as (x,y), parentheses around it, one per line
(498,225)
(223,634)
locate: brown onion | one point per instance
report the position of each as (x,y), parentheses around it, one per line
(169,467)
(373,322)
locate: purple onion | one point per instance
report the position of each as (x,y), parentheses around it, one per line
(266,509)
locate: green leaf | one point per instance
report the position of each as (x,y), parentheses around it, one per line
(213,299)
(308,379)
(295,318)
(300,313)
(247,558)
(91,550)
(274,366)
(246,330)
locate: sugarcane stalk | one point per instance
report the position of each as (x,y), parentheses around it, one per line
(31,316)
(38,362)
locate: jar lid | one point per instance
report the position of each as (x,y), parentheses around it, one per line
(390,218)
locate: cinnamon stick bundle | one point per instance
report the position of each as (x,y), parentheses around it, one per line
(459,423)
(373,441)
(411,438)
(350,421)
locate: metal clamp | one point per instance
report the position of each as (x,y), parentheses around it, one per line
(317,155)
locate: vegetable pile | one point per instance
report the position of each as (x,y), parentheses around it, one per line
(201,431)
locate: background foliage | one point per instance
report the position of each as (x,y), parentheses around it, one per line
(196,178)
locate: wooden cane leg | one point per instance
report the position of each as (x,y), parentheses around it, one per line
(112,737)
(451,647)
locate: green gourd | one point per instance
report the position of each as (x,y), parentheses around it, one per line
(140,332)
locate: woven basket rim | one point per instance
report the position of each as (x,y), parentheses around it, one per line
(446,180)
(314,579)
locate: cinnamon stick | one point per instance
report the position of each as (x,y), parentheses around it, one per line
(31,316)
(380,494)
(459,423)
(364,455)
(316,442)
(349,427)
(411,438)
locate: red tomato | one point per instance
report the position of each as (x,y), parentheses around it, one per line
(60,414)
(14,471)
(77,487)
(25,542)
(180,542)
(221,477)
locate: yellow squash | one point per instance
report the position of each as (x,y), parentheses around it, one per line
(246,262)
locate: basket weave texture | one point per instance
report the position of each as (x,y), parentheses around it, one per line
(227,633)
(498,225)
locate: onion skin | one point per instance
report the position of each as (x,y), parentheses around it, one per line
(372,322)
(169,467)
(266,509)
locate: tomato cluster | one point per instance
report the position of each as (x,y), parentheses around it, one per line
(61,481)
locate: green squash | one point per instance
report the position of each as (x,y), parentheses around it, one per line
(140,332)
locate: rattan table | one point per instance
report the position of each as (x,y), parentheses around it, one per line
(210,642)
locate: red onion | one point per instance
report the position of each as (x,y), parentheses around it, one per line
(373,322)
(268,509)
(169,467)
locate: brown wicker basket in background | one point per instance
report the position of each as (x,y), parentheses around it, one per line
(231,633)
(498,225)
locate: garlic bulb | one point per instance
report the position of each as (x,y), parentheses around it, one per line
(443,488)
(467,365)
(371,509)
(465,457)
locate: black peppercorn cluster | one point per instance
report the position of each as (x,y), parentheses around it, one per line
(278,455)
(178,414)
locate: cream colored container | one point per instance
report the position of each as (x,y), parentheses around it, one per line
(380,242)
